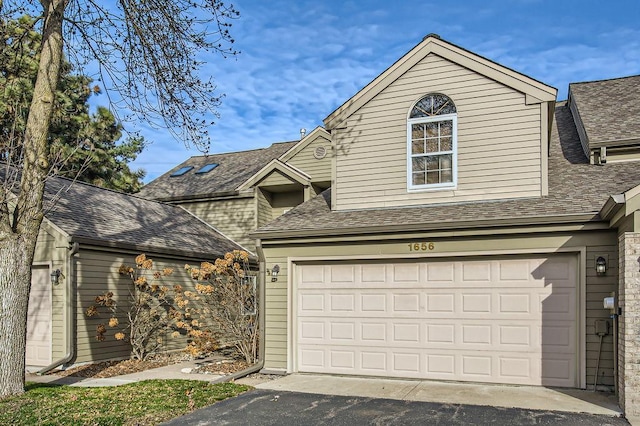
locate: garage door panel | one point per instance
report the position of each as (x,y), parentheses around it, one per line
(502,320)
(479,335)
(493,303)
(556,371)
(340,274)
(440,272)
(558,303)
(559,338)
(439,365)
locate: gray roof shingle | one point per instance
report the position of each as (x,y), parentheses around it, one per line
(123,220)
(575,188)
(233,169)
(605,102)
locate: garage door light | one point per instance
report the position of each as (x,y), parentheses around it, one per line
(601,265)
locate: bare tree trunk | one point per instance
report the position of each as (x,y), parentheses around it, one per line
(19,228)
(15,280)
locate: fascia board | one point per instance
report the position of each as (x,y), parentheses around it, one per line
(493,223)
(495,71)
(632,200)
(276,165)
(48,223)
(304,142)
(225,195)
(616,143)
(141,248)
(398,68)
(613,204)
(632,192)
(304,177)
(520,82)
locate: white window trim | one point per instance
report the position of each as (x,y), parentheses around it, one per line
(454,149)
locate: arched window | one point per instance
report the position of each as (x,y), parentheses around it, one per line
(431,143)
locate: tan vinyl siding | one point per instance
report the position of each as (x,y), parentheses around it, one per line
(630,223)
(273,204)
(276,315)
(285,201)
(97,272)
(499,139)
(596,243)
(275,178)
(599,287)
(234,217)
(265,214)
(318,169)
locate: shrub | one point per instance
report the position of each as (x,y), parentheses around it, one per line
(151,309)
(226,293)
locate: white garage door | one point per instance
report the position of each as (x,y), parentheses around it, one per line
(39,319)
(500,320)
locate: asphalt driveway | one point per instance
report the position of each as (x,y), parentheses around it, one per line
(269,407)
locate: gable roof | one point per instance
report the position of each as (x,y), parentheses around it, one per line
(100,216)
(287,170)
(573,197)
(233,169)
(597,102)
(535,91)
(304,142)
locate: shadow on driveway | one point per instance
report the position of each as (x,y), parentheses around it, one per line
(267,407)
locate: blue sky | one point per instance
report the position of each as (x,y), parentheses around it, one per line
(302,59)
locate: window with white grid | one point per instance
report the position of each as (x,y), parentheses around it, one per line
(431,143)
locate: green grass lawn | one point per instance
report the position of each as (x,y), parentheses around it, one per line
(143,403)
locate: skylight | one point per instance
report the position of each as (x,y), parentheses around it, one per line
(207,168)
(181,171)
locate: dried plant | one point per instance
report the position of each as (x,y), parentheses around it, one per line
(150,309)
(226,292)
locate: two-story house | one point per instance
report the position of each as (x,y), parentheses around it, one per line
(467,227)
(473,228)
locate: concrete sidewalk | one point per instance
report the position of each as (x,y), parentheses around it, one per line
(527,397)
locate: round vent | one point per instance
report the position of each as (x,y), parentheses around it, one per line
(320,152)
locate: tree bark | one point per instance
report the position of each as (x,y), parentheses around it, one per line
(15,281)
(19,228)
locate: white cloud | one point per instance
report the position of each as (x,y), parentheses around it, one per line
(301,60)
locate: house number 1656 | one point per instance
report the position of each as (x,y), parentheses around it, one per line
(421,246)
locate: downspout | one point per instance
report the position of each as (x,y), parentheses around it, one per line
(70,311)
(261,322)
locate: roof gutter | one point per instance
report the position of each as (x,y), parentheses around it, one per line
(618,143)
(224,195)
(440,226)
(261,322)
(612,206)
(145,248)
(74,247)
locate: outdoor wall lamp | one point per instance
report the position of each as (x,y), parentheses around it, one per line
(274,273)
(601,265)
(55,276)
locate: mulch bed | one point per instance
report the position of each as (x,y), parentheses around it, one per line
(221,362)
(220,367)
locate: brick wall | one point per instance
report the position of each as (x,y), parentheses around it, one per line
(629,324)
